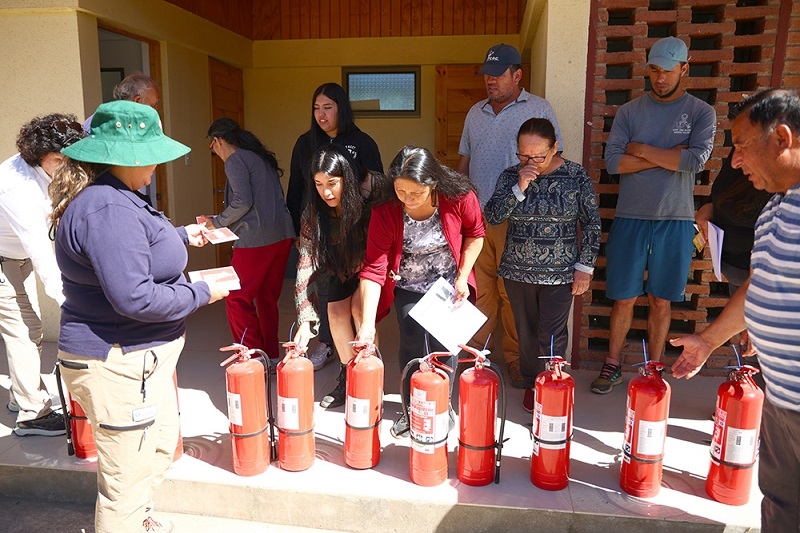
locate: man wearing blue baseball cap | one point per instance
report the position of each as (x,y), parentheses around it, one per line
(657,143)
(488,147)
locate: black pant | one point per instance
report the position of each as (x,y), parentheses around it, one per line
(412,339)
(541,313)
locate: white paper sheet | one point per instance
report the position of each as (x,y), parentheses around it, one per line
(715,237)
(448,324)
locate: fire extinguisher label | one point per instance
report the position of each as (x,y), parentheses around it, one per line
(719,428)
(357,413)
(549,429)
(650,438)
(235,408)
(626,445)
(288,413)
(426,425)
(740,446)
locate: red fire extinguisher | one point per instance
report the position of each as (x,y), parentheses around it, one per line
(248,389)
(80,438)
(429,420)
(733,446)
(296,447)
(645,432)
(552,426)
(479,452)
(364,409)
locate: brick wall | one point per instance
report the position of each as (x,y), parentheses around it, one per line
(732,52)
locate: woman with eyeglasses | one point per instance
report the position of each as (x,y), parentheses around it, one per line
(256,212)
(126,301)
(25,247)
(552,242)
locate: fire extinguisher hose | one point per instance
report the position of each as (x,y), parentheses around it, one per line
(64,410)
(264,360)
(403,378)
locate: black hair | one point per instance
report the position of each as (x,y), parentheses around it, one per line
(230,131)
(341,253)
(771,107)
(47,134)
(541,127)
(418,165)
(345,122)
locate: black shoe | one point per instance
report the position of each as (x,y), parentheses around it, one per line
(49,425)
(400,428)
(337,396)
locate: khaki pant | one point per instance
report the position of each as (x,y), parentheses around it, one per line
(21,329)
(492,297)
(136,434)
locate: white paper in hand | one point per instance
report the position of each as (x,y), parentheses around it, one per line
(715,238)
(448,324)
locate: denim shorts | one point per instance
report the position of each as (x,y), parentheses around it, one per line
(661,247)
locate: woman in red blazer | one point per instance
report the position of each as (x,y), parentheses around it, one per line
(433,228)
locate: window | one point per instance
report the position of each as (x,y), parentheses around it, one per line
(383,91)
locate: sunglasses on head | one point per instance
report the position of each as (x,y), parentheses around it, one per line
(62,126)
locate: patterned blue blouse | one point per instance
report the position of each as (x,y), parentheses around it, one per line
(542,238)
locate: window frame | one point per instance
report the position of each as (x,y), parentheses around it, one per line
(389,113)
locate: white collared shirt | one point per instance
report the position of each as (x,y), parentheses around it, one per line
(24,221)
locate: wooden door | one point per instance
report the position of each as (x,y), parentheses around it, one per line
(458,87)
(227,100)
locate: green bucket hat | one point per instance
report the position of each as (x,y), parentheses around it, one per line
(126,134)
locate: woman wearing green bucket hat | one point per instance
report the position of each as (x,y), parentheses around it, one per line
(126,298)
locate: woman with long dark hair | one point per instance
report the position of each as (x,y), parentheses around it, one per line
(256,212)
(432,228)
(331,123)
(333,237)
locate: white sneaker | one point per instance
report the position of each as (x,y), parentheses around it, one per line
(321,355)
(55,404)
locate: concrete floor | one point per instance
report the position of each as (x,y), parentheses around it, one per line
(331,496)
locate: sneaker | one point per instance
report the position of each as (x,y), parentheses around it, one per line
(529,399)
(515,376)
(400,427)
(321,355)
(610,376)
(13,406)
(160,526)
(49,425)
(337,396)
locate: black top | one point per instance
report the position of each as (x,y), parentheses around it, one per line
(360,145)
(737,205)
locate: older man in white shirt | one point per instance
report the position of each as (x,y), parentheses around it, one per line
(25,246)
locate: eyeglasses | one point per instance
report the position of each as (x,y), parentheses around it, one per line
(62,126)
(525,159)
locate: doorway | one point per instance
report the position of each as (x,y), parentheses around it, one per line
(123,54)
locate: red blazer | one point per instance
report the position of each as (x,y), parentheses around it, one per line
(461,218)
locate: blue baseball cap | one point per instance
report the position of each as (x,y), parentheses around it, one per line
(668,52)
(499,58)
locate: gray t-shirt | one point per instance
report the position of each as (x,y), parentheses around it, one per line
(658,193)
(490,141)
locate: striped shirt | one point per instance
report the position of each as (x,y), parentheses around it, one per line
(772,306)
